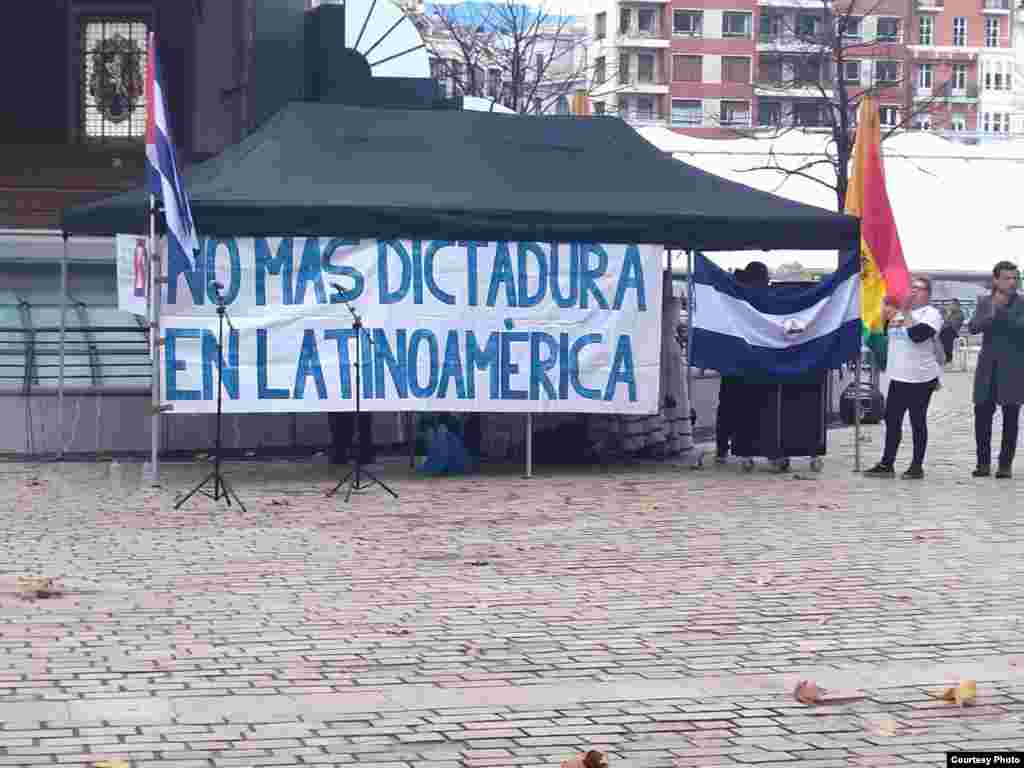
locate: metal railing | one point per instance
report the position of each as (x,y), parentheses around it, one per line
(30,357)
(996,5)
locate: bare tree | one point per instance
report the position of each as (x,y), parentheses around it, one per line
(527,58)
(823,80)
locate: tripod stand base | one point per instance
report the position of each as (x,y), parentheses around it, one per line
(356,483)
(221,490)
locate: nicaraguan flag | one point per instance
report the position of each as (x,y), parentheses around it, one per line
(768,333)
(162,177)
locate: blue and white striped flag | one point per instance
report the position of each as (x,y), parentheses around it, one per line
(773,334)
(162,177)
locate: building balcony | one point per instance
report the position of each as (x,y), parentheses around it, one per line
(968,95)
(1001,7)
(636,39)
(791,90)
(645,85)
(787,42)
(935,6)
(640,118)
(813,5)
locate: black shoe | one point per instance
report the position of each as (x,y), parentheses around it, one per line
(881,470)
(914,472)
(1004,472)
(982,470)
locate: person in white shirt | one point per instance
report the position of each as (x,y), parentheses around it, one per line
(913,370)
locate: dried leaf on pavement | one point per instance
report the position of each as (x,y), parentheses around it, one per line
(887,727)
(111,764)
(808,692)
(590,759)
(963,693)
(37,586)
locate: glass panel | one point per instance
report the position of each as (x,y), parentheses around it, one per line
(113,69)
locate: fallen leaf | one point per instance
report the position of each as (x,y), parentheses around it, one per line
(807,692)
(398,632)
(590,759)
(111,764)
(37,586)
(887,727)
(479,563)
(963,693)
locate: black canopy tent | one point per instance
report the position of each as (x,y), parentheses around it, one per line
(316,168)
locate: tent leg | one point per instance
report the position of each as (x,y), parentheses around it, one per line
(63,328)
(856,413)
(529,446)
(411,426)
(152,471)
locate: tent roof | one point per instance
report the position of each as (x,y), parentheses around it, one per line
(328,169)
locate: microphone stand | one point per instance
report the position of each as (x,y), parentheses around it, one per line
(221,488)
(355,477)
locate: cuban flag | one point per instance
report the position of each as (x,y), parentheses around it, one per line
(774,334)
(162,177)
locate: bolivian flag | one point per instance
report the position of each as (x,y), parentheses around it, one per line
(883,271)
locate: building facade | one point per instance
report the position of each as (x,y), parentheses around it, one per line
(722,67)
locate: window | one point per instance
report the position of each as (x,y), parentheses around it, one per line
(493,83)
(808,26)
(889,116)
(598,107)
(113,73)
(687,23)
(538,107)
(601,26)
(925,77)
(735,24)
(735,69)
(992,32)
(851,72)
(687,112)
(922,123)
(736,113)
(808,70)
(887,71)
(958,122)
(995,122)
(641,108)
(888,30)
(687,69)
(850,26)
(645,21)
(960,32)
(624,77)
(769,69)
(769,113)
(562,106)
(926,29)
(645,68)
(600,70)
(625,20)
(808,115)
(770,25)
(960,77)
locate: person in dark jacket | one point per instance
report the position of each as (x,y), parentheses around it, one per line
(999,378)
(732,405)
(951,328)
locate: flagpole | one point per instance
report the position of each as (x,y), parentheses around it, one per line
(63,327)
(154,344)
(856,411)
(689,344)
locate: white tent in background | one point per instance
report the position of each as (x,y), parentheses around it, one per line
(955,205)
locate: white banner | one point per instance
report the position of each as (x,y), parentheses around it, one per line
(485,327)
(132,273)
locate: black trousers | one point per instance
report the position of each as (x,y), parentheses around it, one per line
(983,414)
(343,434)
(947,336)
(730,391)
(904,397)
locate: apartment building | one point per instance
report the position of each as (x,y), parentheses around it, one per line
(718,67)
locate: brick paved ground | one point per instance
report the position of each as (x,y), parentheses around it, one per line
(658,613)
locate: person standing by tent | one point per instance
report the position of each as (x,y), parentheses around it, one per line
(999,378)
(913,376)
(951,328)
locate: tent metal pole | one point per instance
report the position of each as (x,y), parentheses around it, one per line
(63,329)
(529,445)
(154,345)
(689,341)
(856,411)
